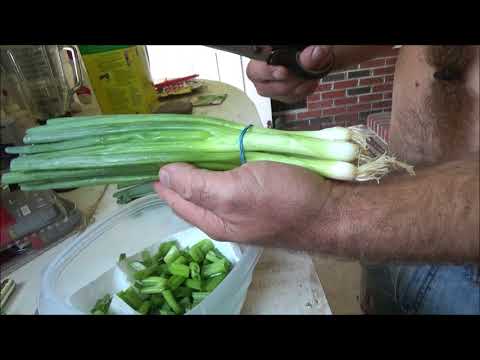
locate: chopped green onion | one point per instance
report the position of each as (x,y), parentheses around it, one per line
(196,254)
(182,291)
(175,281)
(194,284)
(170,300)
(147,258)
(164,248)
(194,270)
(131,297)
(179,269)
(180,260)
(144,308)
(137,266)
(199,296)
(154,281)
(212,257)
(172,254)
(206,245)
(213,282)
(214,269)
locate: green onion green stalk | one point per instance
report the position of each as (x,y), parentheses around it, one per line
(130,149)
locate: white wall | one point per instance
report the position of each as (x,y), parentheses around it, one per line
(172,61)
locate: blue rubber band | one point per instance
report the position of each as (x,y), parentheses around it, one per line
(243,160)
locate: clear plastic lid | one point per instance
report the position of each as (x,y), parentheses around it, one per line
(129,230)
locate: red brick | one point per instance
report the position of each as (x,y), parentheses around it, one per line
(391,61)
(372,63)
(333,111)
(346,119)
(309,114)
(370,81)
(387,95)
(333,94)
(392,52)
(370,98)
(345,84)
(382,104)
(312,98)
(383,87)
(320,104)
(323,87)
(289,117)
(360,107)
(385,70)
(389,78)
(346,101)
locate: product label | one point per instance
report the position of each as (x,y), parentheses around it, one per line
(25,210)
(121,81)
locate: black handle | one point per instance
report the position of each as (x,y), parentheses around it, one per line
(289,57)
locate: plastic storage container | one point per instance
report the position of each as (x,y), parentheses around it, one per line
(87,270)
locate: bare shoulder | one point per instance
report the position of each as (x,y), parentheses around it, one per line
(435,113)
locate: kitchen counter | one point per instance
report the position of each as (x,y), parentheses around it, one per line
(284,282)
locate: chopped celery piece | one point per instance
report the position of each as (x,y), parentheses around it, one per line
(172,254)
(122,257)
(179,270)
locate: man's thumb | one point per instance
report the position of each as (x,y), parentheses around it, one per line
(198,186)
(315,57)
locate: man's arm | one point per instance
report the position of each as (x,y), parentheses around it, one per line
(433,216)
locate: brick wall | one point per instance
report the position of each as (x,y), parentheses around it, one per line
(345,98)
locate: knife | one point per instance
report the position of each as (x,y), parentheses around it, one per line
(286,55)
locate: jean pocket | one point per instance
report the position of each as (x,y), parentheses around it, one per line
(412,285)
(472,274)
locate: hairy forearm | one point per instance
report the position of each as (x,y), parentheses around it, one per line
(350,55)
(433,216)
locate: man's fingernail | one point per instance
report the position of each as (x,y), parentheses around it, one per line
(164,178)
(317,52)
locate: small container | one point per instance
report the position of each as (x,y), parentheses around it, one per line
(87,270)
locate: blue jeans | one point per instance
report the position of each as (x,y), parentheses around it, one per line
(424,289)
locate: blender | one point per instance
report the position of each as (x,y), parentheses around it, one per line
(39,72)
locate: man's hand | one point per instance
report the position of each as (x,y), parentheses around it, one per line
(279,84)
(262,203)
